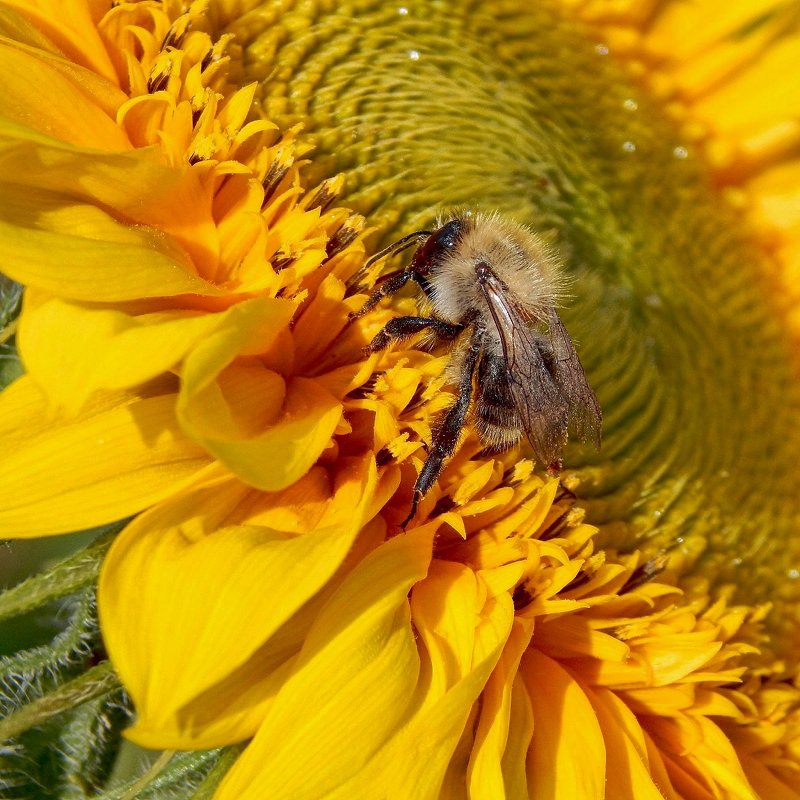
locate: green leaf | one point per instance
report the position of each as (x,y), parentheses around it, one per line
(10,297)
(10,365)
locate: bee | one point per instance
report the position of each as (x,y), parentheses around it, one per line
(491,287)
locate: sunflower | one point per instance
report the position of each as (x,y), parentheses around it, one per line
(187,192)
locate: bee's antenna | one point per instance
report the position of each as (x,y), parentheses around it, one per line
(398,246)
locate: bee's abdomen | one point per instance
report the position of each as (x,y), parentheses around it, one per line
(495,417)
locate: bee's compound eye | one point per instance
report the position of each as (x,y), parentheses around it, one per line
(436,246)
(448,234)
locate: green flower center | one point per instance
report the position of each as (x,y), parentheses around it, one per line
(427,105)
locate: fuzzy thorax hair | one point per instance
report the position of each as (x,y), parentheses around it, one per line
(517,256)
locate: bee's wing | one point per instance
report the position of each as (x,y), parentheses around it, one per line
(571,380)
(541,406)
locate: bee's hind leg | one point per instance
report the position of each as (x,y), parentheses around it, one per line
(402,327)
(447,432)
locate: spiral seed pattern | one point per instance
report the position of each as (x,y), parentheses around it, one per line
(425,105)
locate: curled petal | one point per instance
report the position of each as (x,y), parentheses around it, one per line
(72,350)
(267,431)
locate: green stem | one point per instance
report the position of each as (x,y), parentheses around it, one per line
(93,683)
(174,774)
(64,578)
(206,789)
(155,770)
(8,331)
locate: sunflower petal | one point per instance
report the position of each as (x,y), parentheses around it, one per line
(73,30)
(30,80)
(72,351)
(764,782)
(18,32)
(267,432)
(770,97)
(463,645)
(567,756)
(120,455)
(520,733)
(356,676)
(484,773)
(199,658)
(682,30)
(629,776)
(167,202)
(425,750)
(446,608)
(69,248)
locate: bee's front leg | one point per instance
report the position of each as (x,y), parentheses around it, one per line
(393,284)
(402,327)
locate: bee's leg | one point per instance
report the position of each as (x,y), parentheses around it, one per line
(447,433)
(394,284)
(403,327)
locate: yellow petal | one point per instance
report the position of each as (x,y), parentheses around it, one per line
(240,412)
(69,248)
(288,449)
(135,184)
(699,757)
(628,773)
(321,322)
(445,607)
(658,769)
(60,474)
(764,782)
(423,752)
(685,29)
(18,29)
(254,328)
(520,734)
(72,351)
(759,96)
(459,657)
(571,636)
(73,29)
(567,755)
(674,656)
(502,579)
(351,684)
(685,783)
(296,509)
(210,596)
(18,32)
(717,760)
(484,773)
(776,196)
(210,375)
(31,83)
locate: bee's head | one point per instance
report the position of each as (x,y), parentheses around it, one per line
(437,245)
